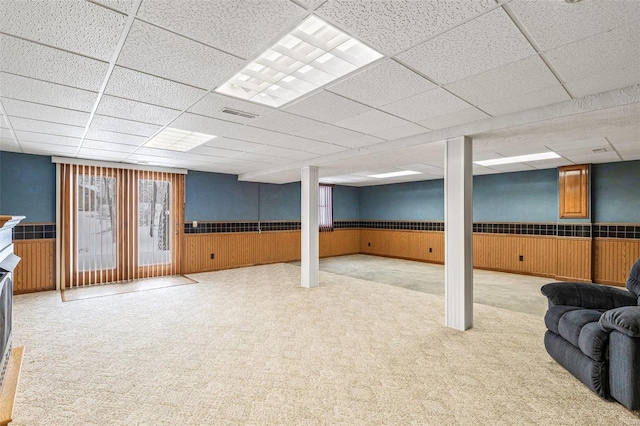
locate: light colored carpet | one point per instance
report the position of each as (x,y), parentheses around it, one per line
(249,346)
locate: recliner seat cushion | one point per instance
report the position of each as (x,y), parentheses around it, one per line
(554,313)
(633,280)
(572,322)
(593,341)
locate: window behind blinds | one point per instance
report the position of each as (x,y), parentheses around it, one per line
(325,208)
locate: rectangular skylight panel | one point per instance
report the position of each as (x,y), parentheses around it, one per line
(518,159)
(178,140)
(395,174)
(314,54)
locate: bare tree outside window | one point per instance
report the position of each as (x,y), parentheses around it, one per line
(153,222)
(96,222)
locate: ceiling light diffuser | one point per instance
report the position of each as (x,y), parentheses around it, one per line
(311,56)
(395,174)
(518,159)
(177,140)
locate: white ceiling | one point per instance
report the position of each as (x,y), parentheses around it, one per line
(96,79)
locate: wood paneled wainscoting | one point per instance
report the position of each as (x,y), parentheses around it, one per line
(235,249)
(613,258)
(36,270)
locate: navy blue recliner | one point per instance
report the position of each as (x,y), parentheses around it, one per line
(594,332)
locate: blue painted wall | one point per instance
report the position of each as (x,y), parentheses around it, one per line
(346,205)
(616,192)
(530,196)
(216,196)
(28,187)
(279,202)
(404,201)
(516,197)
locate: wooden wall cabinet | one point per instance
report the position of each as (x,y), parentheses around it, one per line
(574,191)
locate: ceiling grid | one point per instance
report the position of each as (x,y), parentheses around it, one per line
(98,79)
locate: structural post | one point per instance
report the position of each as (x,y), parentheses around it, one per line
(309,216)
(458,231)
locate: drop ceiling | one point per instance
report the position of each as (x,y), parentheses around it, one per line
(97,79)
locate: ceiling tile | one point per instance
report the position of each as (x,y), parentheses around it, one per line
(101,122)
(46,127)
(386,82)
(48,149)
(212,151)
(326,149)
(523,76)
(455,118)
(136,111)
(554,23)
(371,122)
(156,51)
(241,28)
(359,141)
(403,131)
(486,42)
(45,113)
(3,120)
(206,125)
(263,136)
(425,105)
(392,26)
(283,122)
(24,136)
(604,157)
(96,154)
(121,5)
(548,96)
(213,104)
(77,26)
(326,107)
(148,158)
(580,143)
(597,83)
(106,136)
(9,145)
(284,152)
(631,157)
(600,54)
(268,159)
(28,89)
(514,167)
(45,63)
(6,134)
(329,133)
(549,164)
(232,144)
(628,147)
(156,152)
(107,146)
(138,86)
(479,170)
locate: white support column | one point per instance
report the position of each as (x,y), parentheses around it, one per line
(458,228)
(309,216)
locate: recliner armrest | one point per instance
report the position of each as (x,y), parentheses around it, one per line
(588,296)
(626,320)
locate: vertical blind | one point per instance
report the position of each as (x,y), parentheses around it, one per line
(117,224)
(325,208)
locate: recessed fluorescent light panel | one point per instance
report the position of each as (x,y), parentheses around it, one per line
(518,159)
(177,140)
(312,55)
(395,174)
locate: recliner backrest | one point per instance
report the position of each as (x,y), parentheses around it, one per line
(633,280)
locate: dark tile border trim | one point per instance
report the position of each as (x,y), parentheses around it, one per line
(34,231)
(599,230)
(543,229)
